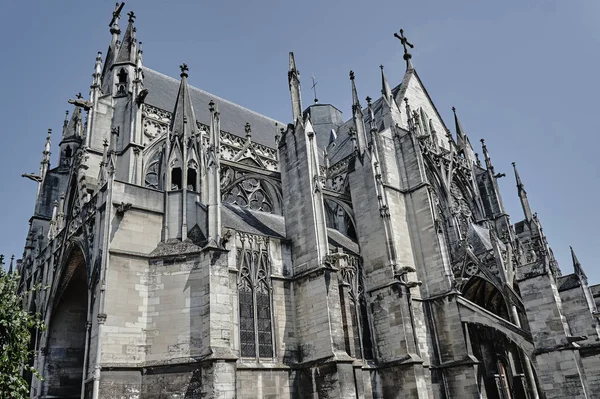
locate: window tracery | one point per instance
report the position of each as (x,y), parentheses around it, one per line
(248,191)
(254,291)
(352,275)
(152,178)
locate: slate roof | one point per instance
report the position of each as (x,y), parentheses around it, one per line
(254,222)
(162,93)
(568,282)
(343,145)
(337,239)
(479,239)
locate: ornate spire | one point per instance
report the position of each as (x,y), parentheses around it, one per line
(577,265)
(357,115)
(183,112)
(523,195)
(127,52)
(406,44)
(409,118)
(97,76)
(213,174)
(294,84)
(486,155)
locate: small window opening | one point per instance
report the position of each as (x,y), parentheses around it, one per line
(68,152)
(176,179)
(191,179)
(122,75)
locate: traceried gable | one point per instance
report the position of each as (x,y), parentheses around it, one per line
(420,102)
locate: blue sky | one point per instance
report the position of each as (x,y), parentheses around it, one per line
(523,75)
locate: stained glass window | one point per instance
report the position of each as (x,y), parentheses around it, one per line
(256,331)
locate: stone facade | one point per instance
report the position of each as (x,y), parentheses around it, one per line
(196,249)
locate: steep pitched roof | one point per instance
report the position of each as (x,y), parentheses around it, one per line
(162,93)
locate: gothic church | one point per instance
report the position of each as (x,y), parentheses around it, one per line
(196,249)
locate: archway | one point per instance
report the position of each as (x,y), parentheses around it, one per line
(63,367)
(503,369)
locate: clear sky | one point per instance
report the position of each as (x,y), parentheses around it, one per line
(522,74)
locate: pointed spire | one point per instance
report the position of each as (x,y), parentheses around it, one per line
(576,264)
(357,115)
(386,91)
(294,84)
(461,137)
(213,173)
(139,75)
(75,124)
(127,52)
(97,76)
(409,118)
(486,155)
(66,121)
(45,162)
(433,132)
(11,266)
(371,113)
(406,44)
(47,146)
(523,195)
(183,112)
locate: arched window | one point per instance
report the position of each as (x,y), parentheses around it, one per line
(122,75)
(122,84)
(256,334)
(176,179)
(68,152)
(191,179)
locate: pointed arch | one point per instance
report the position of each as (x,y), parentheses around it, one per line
(66,319)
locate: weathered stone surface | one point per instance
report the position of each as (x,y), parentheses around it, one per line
(371,258)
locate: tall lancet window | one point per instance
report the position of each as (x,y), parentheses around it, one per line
(254,286)
(353,276)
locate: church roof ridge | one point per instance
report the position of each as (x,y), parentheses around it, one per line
(214,97)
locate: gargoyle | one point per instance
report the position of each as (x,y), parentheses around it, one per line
(80,102)
(122,208)
(141,97)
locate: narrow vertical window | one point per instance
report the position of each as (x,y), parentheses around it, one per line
(176,179)
(247,336)
(254,291)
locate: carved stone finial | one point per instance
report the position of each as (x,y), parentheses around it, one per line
(131,16)
(248,130)
(211,106)
(79,96)
(351,75)
(184,69)
(368,99)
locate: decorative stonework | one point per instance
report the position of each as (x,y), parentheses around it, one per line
(249,190)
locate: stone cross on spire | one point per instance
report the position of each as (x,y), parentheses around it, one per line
(405,43)
(131,16)
(184,69)
(116,13)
